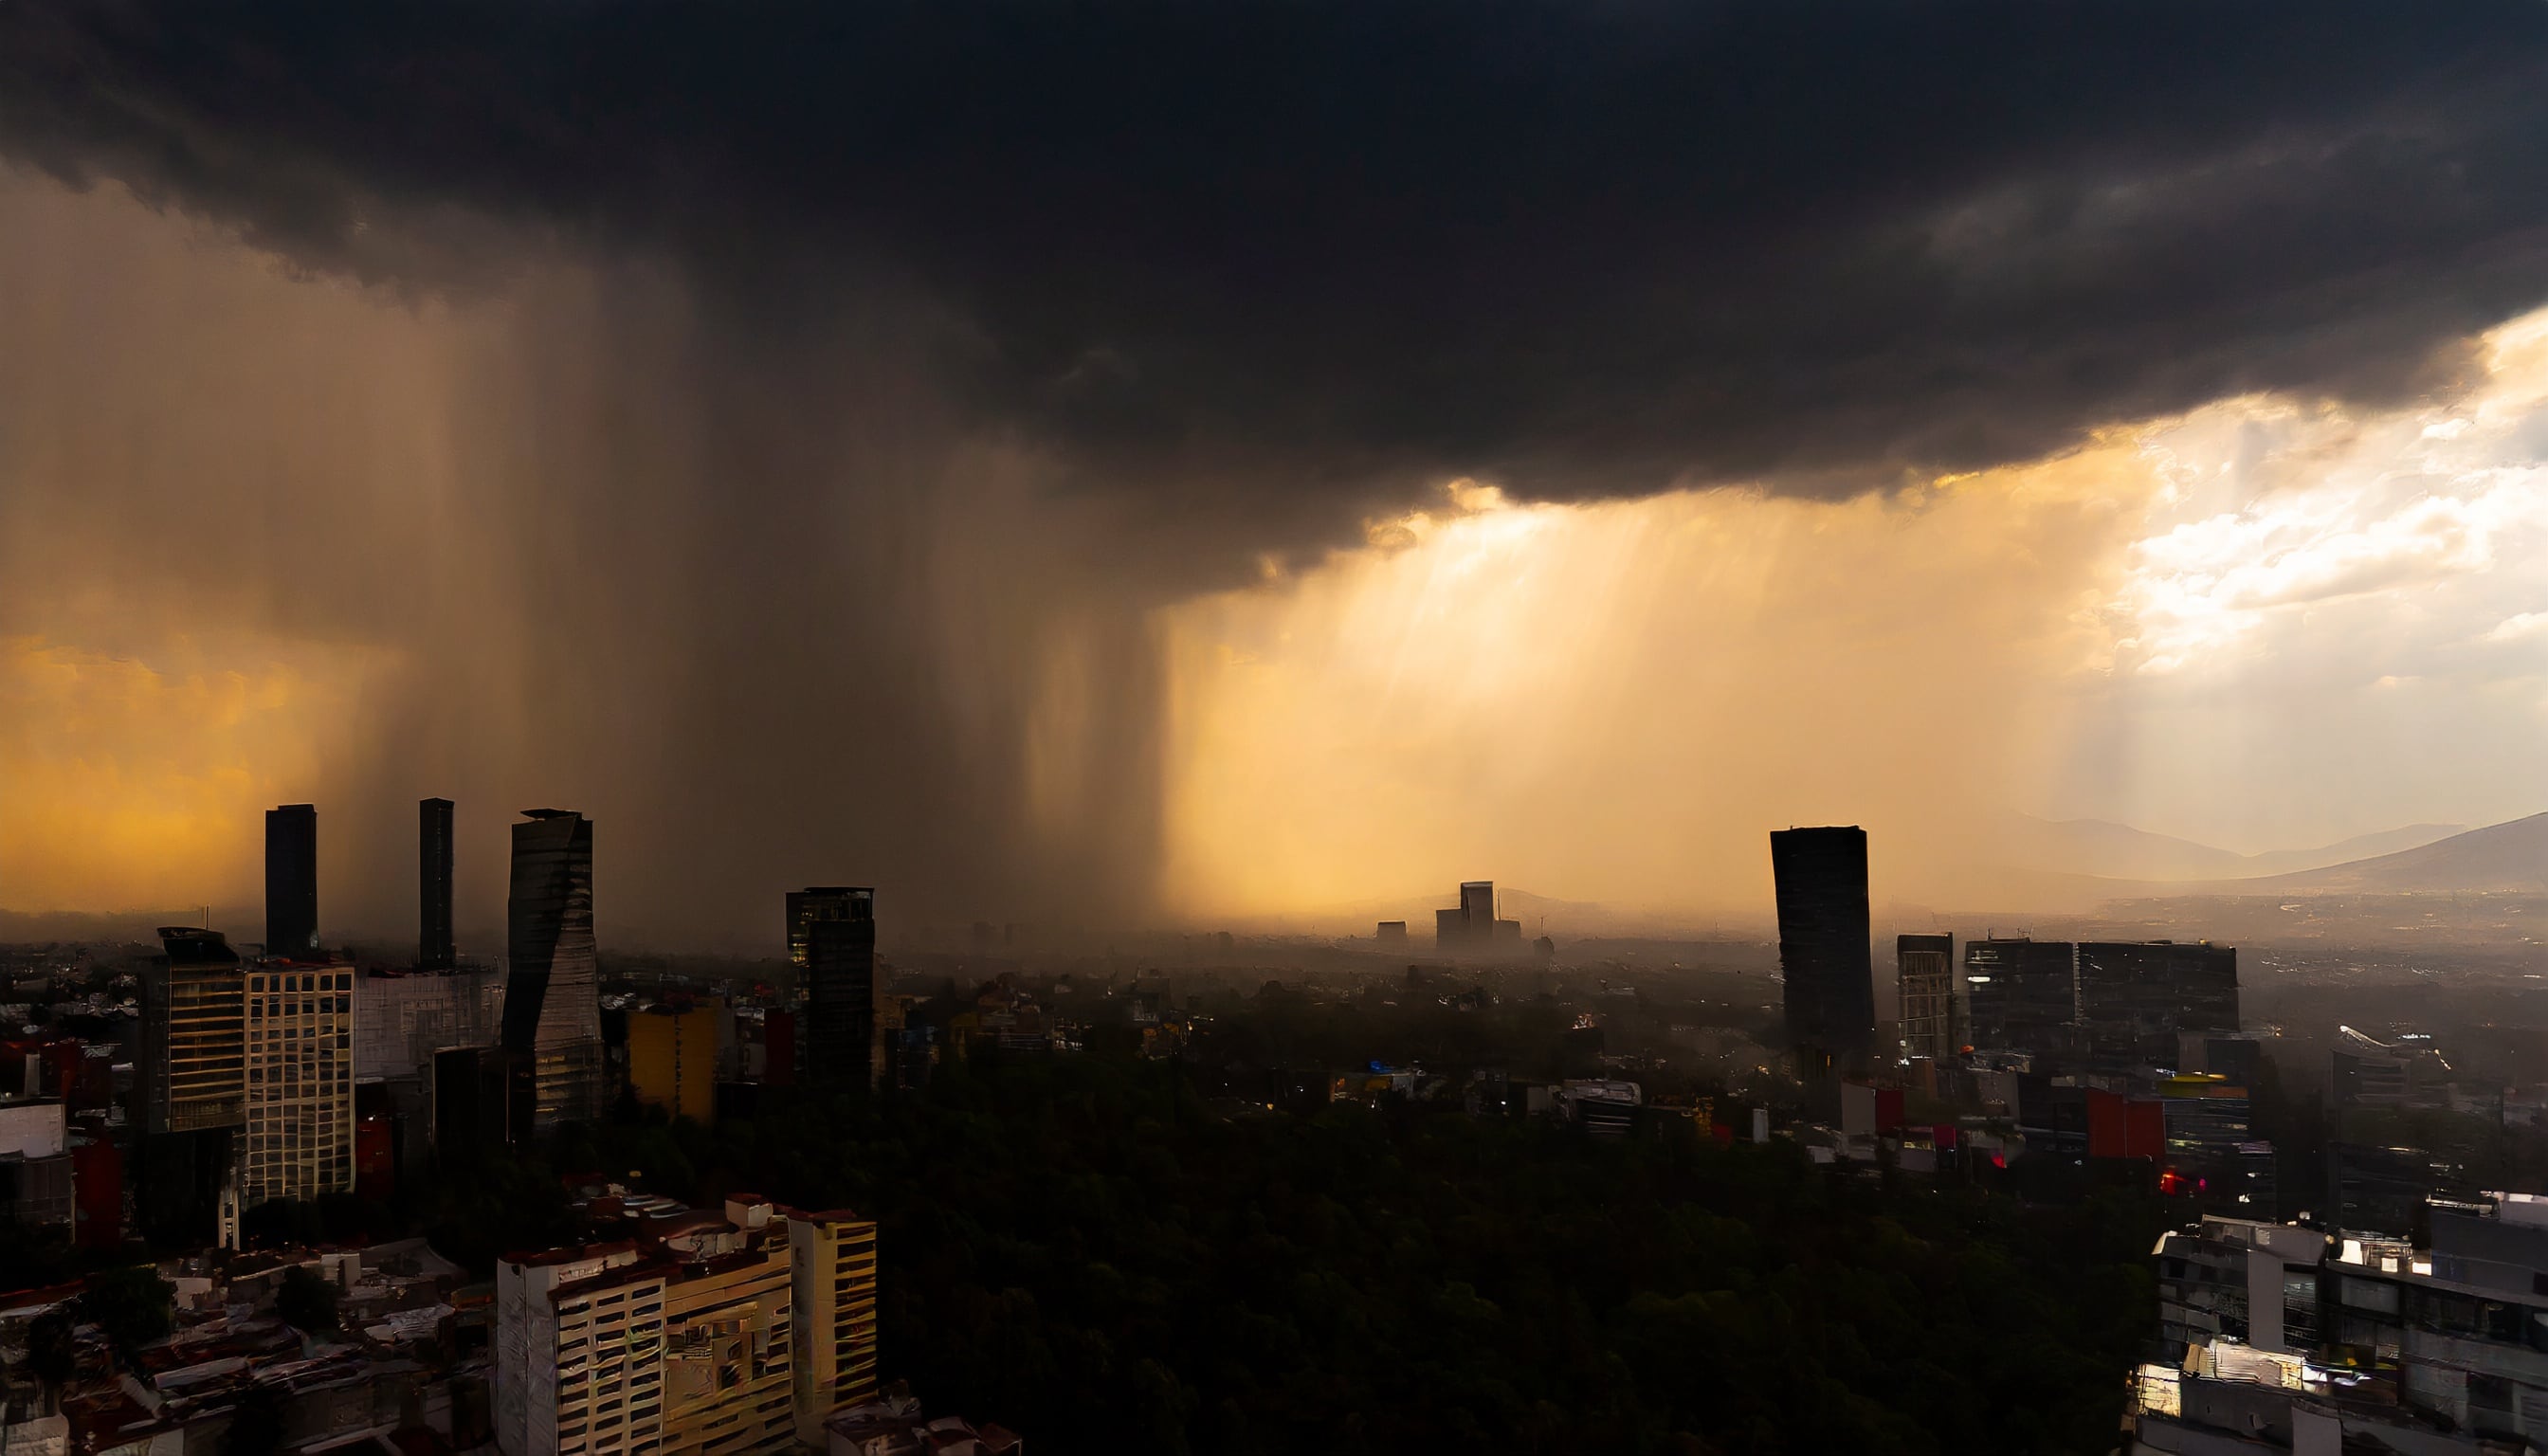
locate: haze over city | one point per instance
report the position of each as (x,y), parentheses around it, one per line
(1242,727)
(1491,456)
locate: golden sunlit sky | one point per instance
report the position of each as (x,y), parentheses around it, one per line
(2269,622)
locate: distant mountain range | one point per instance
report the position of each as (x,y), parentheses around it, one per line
(2510,858)
(2110,850)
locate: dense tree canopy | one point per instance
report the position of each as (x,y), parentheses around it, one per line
(1086,1249)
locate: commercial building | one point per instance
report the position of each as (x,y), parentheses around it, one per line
(1824,949)
(674,1056)
(2280,1338)
(298,1134)
(2365,1072)
(191,1075)
(826,902)
(2021,995)
(695,1334)
(552,996)
(434,950)
(842,1046)
(292,880)
(1392,934)
(192,1065)
(1470,929)
(37,1169)
(2138,999)
(403,1018)
(1925,984)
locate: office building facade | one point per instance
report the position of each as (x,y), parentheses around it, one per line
(840,1027)
(192,1065)
(2021,995)
(298,1140)
(825,902)
(552,992)
(1824,948)
(1924,986)
(402,1019)
(191,1072)
(434,948)
(292,880)
(2139,1000)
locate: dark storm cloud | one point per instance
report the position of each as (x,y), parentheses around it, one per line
(1347,244)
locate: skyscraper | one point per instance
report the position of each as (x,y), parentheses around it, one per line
(2022,995)
(1925,981)
(840,1043)
(552,995)
(826,902)
(1824,949)
(292,880)
(433,947)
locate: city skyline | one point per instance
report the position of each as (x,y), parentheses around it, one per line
(515,495)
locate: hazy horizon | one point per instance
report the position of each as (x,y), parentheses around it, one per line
(1445,479)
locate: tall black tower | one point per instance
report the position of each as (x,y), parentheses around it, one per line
(292,880)
(433,948)
(840,1036)
(1823,945)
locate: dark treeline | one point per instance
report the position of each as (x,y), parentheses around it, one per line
(1084,1249)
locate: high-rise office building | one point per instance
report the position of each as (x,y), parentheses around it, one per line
(825,902)
(1925,983)
(1470,927)
(299,1137)
(840,1043)
(2139,998)
(2021,995)
(191,1067)
(292,880)
(433,945)
(191,1072)
(552,992)
(1824,946)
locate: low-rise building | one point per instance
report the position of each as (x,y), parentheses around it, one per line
(2282,1338)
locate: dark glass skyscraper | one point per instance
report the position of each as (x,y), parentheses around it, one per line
(552,994)
(1823,944)
(292,880)
(823,902)
(433,948)
(840,1022)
